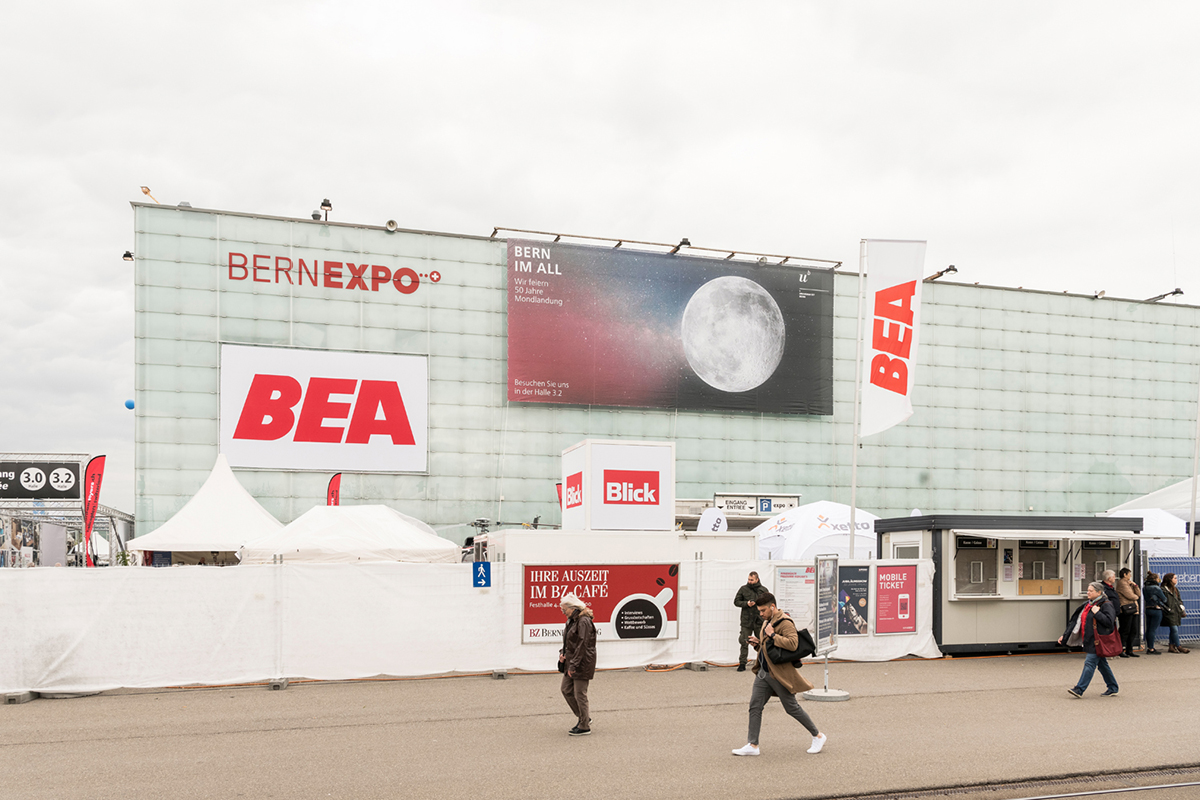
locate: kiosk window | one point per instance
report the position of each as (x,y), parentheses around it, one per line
(1096,557)
(976,568)
(907,551)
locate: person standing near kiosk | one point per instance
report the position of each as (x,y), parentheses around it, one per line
(746,599)
(1127,617)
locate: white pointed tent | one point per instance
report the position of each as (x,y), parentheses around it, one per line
(351,535)
(221,517)
(816,529)
(1164,516)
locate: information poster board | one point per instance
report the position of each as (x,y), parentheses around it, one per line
(630,601)
(854,586)
(827,610)
(896,599)
(793,592)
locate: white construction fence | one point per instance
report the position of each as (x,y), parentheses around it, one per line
(76,630)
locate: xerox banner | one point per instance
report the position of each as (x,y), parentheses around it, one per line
(283,408)
(603,326)
(893,323)
(629,601)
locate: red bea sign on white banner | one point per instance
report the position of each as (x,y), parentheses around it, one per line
(617,485)
(893,312)
(321,410)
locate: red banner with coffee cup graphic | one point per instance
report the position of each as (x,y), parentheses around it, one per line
(629,601)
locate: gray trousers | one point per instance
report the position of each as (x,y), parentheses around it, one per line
(744,642)
(575,693)
(764,688)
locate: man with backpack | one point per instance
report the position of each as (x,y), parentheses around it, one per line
(746,599)
(776,641)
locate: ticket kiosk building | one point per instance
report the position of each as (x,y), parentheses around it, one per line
(1009,583)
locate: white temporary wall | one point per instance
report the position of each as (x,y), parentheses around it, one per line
(73,630)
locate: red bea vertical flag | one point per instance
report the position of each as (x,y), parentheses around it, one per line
(333,496)
(890,335)
(93,476)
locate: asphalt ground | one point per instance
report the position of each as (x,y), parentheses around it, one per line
(908,725)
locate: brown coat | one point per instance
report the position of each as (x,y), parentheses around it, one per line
(785,638)
(1128,591)
(579,645)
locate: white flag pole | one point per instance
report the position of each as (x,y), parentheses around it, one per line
(1195,468)
(862,254)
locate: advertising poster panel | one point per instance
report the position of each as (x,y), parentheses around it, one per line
(896,599)
(854,584)
(286,408)
(40,480)
(827,611)
(630,601)
(600,326)
(794,592)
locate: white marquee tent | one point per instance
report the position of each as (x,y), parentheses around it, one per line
(221,517)
(353,534)
(814,529)
(1164,516)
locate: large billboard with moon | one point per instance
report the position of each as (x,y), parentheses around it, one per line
(602,326)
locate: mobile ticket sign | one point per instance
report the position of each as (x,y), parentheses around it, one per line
(827,604)
(895,599)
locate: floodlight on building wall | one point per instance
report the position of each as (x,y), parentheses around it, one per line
(937,275)
(1164,295)
(684,242)
(326,206)
(146,191)
(128,256)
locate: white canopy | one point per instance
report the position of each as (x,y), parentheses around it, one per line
(1174,499)
(816,529)
(1164,515)
(222,516)
(353,534)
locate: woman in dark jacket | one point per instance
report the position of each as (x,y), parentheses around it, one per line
(1174,613)
(578,660)
(1096,615)
(1156,604)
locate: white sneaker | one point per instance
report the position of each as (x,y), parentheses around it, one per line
(748,750)
(818,743)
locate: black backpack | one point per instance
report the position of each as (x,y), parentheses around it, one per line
(804,647)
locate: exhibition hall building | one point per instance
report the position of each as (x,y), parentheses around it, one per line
(444,375)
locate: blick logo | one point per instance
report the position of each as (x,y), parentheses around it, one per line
(574,495)
(631,487)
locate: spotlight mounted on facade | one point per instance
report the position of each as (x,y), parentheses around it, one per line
(316,215)
(1164,295)
(682,243)
(128,256)
(146,191)
(1098,295)
(326,206)
(937,275)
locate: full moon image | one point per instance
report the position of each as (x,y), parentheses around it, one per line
(733,334)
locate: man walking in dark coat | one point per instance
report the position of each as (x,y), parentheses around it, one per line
(746,600)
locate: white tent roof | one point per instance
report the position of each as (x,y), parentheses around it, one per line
(1174,499)
(221,516)
(353,534)
(816,529)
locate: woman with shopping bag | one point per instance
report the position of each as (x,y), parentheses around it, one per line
(1093,627)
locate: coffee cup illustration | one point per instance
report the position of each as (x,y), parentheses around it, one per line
(641,616)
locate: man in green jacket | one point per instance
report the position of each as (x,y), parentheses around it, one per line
(746,600)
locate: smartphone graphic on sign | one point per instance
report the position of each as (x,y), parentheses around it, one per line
(903,612)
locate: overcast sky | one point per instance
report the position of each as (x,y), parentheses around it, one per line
(1039,144)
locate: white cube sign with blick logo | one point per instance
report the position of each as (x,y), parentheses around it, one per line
(619,486)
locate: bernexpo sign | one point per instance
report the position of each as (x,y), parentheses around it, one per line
(294,409)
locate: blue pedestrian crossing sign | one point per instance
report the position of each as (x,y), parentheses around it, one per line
(482,575)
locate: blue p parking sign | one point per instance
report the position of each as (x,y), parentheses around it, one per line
(764,505)
(481,575)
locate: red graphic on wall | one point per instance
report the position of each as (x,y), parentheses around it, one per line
(630,601)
